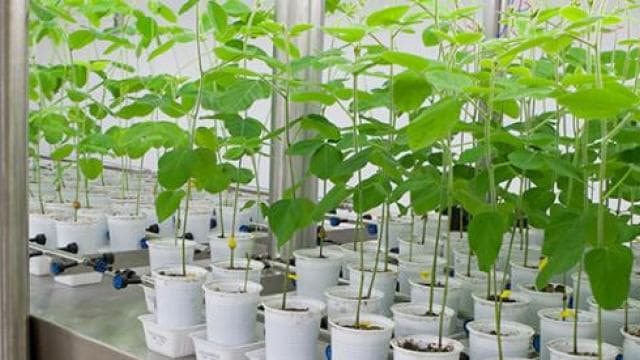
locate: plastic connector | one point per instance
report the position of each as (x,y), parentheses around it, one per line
(188,236)
(58,267)
(123,278)
(372,229)
(143,243)
(39,239)
(213,223)
(102,263)
(71,248)
(335,221)
(244,229)
(154,229)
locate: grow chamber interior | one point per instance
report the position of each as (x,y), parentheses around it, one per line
(325,179)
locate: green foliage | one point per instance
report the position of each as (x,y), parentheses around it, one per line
(485,237)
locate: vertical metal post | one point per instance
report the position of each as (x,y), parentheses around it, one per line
(291,12)
(14,278)
(491,18)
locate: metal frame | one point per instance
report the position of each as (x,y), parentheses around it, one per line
(14,278)
(291,13)
(491,18)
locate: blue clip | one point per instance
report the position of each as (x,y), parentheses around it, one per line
(372,229)
(100,266)
(327,351)
(144,243)
(334,221)
(119,282)
(55,268)
(244,229)
(213,223)
(536,343)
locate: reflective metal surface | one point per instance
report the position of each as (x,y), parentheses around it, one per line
(14,281)
(291,13)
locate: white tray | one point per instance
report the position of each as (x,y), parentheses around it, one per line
(172,343)
(207,350)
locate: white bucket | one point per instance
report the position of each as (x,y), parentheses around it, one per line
(560,349)
(461,260)
(343,300)
(168,252)
(207,350)
(411,319)
(553,326)
(179,300)
(198,223)
(476,283)
(101,215)
(398,229)
(219,247)
(356,344)
(613,320)
(126,231)
(292,334)
(231,312)
(385,281)
(421,292)
(543,300)
(316,274)
(517,311)
(86,233)
(411,268)
(585,289)
(516,339)
(417,248)
(221,270)
(43,224)
(172,343)
(423,342)
(631,345)
(353,256)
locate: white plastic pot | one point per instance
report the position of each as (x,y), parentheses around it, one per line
(406,247)
(543,300)
(461,260)
(198,223)
(231,312)
(292,333)
(44,224)
(517,311)
(168,252)
(179,299)
(631,344)
(352,256)
(421,292)
(348,343)
(399,228)
(613,320)
(423,342)
(411,319)
(316,274)
(222,271)
(86,233)
(521,275)
(219,247)
(100,214)
(476,283)
(385,281)
(343,300)
(553,326)
(172,343)
(561,349)
(411,268)
(126,231)
(516,339)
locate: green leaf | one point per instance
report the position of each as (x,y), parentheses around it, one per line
(370,194)
(346,34)
(387,16)
(324,161)
(246,128)
(91,168)
(238,97)
(136,109)
(486,231)
(595,104)
(527,160)
(321,125)
(287,216)
(410,61)
(206,138)
(430,38)
(218,15)
(573,13)
(448,80)
(163,48)
(187,6)
(81,38)
(314,96)
(174,168)
(609,271)
(468,38)
(167,203)
(236,8)
(410,90)
(425,197)
(434,123)
(564,168)
(62,152)
(336,196)
(304,147)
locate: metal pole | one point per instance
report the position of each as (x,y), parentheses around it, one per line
(14,278)
(291,12)
(491,19)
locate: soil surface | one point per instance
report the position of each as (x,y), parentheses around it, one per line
(430,348)
(437,285)
(550,288)
(296,310)
(365,327)
(634,332)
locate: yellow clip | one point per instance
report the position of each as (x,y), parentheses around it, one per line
(567,313)
(543,263)
(425,275)
(232,243)
(505,294)
(292,276)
